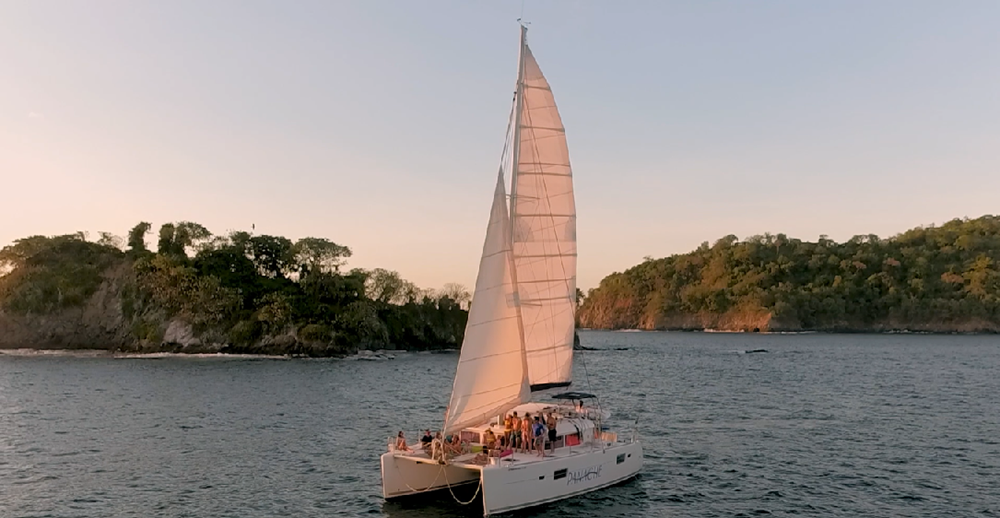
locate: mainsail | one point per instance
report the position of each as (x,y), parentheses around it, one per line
(543,215)
(492,374)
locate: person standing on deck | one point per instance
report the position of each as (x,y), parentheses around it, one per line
(539,435)
(515,432)
(526,433)
(550,422)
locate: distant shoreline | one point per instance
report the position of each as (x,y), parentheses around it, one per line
(801,332)
(118,353)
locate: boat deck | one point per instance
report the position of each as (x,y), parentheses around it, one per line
(466,460)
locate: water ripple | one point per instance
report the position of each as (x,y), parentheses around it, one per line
(849,425)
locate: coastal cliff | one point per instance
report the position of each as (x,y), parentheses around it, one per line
(935,279)
(200,293)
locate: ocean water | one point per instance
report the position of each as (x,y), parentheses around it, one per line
(819,425)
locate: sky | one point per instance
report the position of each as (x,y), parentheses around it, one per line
(379,124)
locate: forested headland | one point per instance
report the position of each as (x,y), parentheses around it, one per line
(199,292)
(935,279)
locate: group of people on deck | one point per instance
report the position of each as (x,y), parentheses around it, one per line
(530,433)
(451,445)
(521,434)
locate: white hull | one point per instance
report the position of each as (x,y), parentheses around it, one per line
(510,486)
(525,481)
(404,476)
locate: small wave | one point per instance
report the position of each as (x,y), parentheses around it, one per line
(78,353)
(200,356)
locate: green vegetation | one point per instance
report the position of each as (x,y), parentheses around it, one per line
(48,274)
(928,279)
(248,293)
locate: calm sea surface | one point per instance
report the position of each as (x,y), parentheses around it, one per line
(820,425)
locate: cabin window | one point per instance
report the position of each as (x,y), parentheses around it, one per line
(620,459)
(470,437)
(560,473)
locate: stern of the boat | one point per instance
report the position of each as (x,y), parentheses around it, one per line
(403,475)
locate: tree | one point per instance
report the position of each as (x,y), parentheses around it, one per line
(457,293)
(272,255)
(316,255)
(137,238)
(240,240)
(165,245)
(111,240)
(190,235)
(176,238)
(388,287)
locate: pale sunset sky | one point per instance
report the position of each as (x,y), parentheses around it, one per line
(379,124)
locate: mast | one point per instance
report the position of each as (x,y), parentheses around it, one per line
(516,151)
(515,157)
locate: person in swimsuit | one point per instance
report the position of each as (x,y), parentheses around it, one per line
(526,436)
(515,431)
(489,440)
(401,442)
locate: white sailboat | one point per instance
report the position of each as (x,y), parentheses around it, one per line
(519,338)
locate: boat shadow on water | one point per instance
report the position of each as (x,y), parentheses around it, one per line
(626,499)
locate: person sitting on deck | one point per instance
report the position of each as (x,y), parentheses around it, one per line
(501,446)
(489,440)
(425,441)
(401,442)
(526,433)
(453,445)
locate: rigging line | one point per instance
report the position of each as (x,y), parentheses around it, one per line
(586,374)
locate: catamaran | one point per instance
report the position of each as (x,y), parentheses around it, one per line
(518,346)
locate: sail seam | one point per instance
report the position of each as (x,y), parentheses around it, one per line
(543,299)
(541,256)
(545,128)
